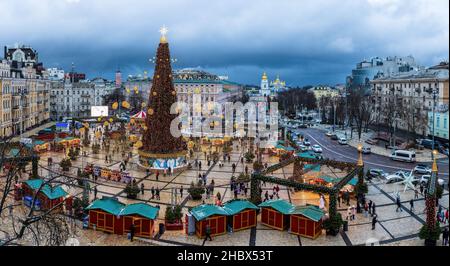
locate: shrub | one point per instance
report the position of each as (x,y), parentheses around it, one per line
(65,164)
(132,190)
(173,214)
(333,224)
(196,191)
(258,166)
(433,234)
(249,157)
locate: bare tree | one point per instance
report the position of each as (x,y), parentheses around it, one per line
(19,225)
(361,111)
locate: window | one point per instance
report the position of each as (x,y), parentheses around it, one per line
(445,123)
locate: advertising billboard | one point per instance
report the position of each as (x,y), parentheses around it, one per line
(97,111)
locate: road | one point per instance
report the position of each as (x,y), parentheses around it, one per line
(333,150)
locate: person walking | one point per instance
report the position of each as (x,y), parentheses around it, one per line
(445,236)
(132,230)
(207,234)
(153,192)
(142,189)
(446,217)
(349,214)
(416,194)
(421,189)
(181,191)
(399,204)
(157,193)
(374,222)
(95,192)
(157,176)
(266,196)
(411,205)
(373,209)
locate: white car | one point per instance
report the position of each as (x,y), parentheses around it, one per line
(342,141)
(424,180)
(396,177)
(316,148)
(303,148)
(366,150)
(422,169)
(306,142)
(329,134)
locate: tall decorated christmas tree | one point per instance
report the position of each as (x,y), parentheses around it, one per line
(160,149)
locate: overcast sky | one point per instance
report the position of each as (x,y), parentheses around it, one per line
(304,41)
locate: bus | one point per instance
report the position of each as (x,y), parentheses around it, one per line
(405,156)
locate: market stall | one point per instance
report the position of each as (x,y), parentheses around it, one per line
(306,221)
(212,215)
(275,213)
(242,214)
(104,215)
(47,195)
(143,217)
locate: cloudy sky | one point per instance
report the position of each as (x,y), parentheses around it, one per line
(304,41)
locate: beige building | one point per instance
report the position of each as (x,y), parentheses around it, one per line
(324,91)
(406,99)
(24,94)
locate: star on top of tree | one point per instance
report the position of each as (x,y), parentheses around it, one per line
(164,30)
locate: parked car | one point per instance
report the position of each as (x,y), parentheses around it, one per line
(425,178)
(376,173)
(329,134)
(334,137)
(342,141)
(303,126)
(306,142)
(366,150)
(316,148)
(396,177)
(422,169)
(303,148)
(428,143)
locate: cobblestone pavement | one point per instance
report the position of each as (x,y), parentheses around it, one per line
(394,228)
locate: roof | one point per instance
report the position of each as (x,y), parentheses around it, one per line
(312,167)
(106,204)
(281,147)
(235,206)
(290,149)
(206,210)
(329,179)
(307,155)
(51,193)
(312,212)
(280,205)
(14,152)
(141,209)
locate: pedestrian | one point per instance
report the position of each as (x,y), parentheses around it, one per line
(181,191)
(366,210)
(153,192)
(132,229)
(229,158)
(421,189)
(245,191)
(142,188)
(347,197)
(349,214)
(147,171)
(445,236)
(266,196)
(157,175)
(157,193)
(446,217)
(373,208)
(235,194)
(399,204)
(246,170)
(416,194)
(95,192)
(374,222)
(339,199)
(165,172)
(207,234)
(242,160)
(411,205)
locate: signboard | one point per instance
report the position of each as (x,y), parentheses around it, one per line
(97,111)
(26,141)
(63,126)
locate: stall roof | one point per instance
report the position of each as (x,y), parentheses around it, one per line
(281,147)
(313,167)
(106,204)
(141,209)
(235,206)
(307,155)
(206,210)
(290,149)
(280,205)
(328,179)
(312,212)
(14,152)
(51,193)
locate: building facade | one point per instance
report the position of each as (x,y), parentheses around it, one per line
(369,70)
(24,91)
(406,99)
(324,91)
(76,99)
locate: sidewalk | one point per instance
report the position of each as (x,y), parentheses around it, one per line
(34,131)
(422,156)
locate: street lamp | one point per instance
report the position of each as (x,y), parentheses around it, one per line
(360,158)
(435,91)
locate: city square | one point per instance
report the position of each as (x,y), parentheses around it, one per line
(184,157)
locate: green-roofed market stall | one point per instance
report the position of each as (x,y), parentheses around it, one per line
(142,216)
(306,221)
(275,213)
(242,214)
(47,195)
(212,215)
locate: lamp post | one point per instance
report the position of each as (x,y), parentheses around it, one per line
(435,91)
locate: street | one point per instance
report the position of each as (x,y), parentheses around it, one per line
(333,150)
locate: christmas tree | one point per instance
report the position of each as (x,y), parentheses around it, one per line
(157,140)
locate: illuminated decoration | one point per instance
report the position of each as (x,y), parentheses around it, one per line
(82,130)
(86,125)
(111,120)
(408,182)
(115,106)
(174,93)
(132,121)
(99,119)
(143,105)
(197,90)
(125,104)
(160,148)
(138,144)
(98,134)
(164,30)
(106,123)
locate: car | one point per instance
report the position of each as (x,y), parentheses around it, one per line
(366,150)
(422,169)
(378,173)
(303,148)
(329,134)
(425,178)
(316,148)
(342,141)
(334,137)
(394,178)
(303,126)
(306,142)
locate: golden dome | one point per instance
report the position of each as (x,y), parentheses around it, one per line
(264,77)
